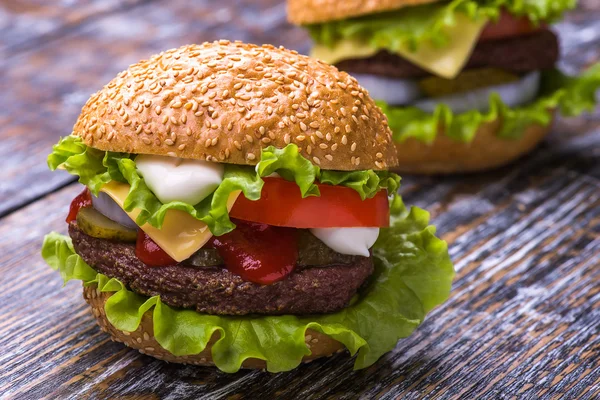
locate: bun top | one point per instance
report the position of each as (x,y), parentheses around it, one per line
(224,102)
(303,12)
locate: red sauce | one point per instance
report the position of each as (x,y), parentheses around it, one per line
(83,199)
(257,252)
(150,253)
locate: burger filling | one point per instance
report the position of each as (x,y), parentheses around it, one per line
(291,239)
(457,64)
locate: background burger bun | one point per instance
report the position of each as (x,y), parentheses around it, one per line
(486,151)
(142,339)
(224,102)
(302,12)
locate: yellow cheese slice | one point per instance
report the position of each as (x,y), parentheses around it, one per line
(181,234)
(446,61)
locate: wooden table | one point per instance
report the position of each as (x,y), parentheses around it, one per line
(524,317)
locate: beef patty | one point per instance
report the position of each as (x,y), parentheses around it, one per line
(215,290)
(521,54)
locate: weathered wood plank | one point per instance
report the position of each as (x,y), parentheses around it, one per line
(27,24)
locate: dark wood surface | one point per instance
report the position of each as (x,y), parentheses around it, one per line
(524,317)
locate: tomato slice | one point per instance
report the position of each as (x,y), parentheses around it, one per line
(281,204)
(508,26)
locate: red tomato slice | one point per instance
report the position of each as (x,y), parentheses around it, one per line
(508,26)
(281,204)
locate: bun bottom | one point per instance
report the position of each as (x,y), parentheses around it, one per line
(142,339)
(448,156)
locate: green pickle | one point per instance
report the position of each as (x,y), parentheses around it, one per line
(94,224)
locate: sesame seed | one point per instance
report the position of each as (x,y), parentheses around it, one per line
(316,160)
(250,156)
(348,129)
(329,157)
(303,126)
(249,138)
(353,147)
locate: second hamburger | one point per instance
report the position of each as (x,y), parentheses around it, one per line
(466,85)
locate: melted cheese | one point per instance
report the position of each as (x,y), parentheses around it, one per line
(181,234)
(446,61)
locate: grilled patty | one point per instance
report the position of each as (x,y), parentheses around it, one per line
(215,290)
(519,55)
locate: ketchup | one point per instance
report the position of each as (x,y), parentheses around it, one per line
(83,199)
(150,253)
(257,252)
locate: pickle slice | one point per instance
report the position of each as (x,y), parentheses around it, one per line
(94,224)
(205,258)
(465,82)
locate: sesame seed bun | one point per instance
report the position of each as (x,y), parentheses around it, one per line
(314,11)
(142,339)
(224,102)
(486,151)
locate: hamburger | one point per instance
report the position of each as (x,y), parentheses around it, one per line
(238,211)
(466,85)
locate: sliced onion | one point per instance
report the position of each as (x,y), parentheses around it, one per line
(111,210)
(512,94)
(392,91)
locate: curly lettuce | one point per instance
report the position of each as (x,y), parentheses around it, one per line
(413,274)
(569,95)
(409,27)
(96,168)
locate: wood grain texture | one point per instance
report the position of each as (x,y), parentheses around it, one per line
(524,317)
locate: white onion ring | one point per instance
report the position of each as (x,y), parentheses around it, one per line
(106,206)
(392,91)
(513,94)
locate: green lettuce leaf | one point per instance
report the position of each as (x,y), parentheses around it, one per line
(366,183)
(96,168)
(413,274)
(411,26)
(570,95)
(289,163)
